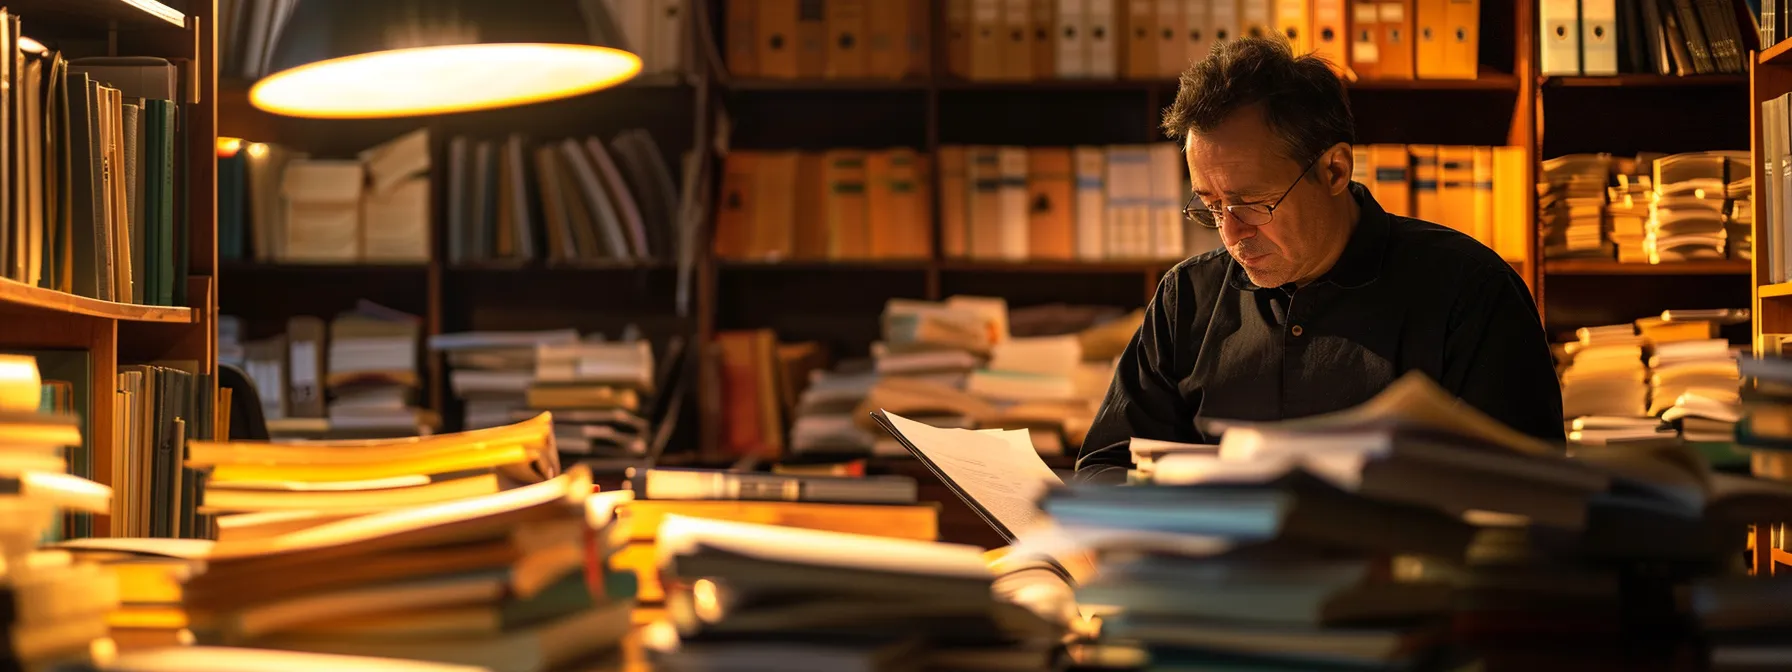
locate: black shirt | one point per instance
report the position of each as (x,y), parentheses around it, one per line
(1405,295)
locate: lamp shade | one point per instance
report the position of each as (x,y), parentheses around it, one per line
(348,59)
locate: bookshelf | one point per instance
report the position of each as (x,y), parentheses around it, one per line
(114,334)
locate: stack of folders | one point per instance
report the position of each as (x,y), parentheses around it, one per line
(52,608)
(596,388)
(260,489)
(884,506)
(513,581)
(750,596)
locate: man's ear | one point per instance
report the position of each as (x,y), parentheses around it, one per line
(1335,168)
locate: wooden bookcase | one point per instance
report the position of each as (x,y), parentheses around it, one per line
(117,333)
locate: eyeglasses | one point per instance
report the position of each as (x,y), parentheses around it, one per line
(1250,214)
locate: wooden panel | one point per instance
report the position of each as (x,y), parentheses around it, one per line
(1612,267)
(102,345)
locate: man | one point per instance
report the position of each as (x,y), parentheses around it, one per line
(1319,298)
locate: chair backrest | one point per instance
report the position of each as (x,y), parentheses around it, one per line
(246,419)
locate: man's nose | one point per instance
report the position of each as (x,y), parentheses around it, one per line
(1231,231)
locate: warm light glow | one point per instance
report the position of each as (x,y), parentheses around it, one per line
(257,150)
(436,80)
(228,147)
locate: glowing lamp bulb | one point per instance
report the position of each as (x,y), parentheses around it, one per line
(441,79)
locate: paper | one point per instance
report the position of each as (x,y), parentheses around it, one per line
(999,470)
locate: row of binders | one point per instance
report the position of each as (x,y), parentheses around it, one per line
(988,40)
(1477,190)
(1656,37)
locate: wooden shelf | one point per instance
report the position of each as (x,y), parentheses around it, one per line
(16,294)
(1485,82)
(823,265)
(128,13)
(1778,54)
(1776,291)
(1646,81)
(1054,266)
(1607,267)
(232,267)
(559,266)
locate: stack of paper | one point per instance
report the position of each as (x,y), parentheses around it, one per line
(750,596)
(1687,215)
(373,379)
(1571,206)
(513,581)
(261,489)
(1606,376)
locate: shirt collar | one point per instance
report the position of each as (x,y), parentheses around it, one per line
(1361,261)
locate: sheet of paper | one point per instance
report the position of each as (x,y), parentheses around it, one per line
(999,470)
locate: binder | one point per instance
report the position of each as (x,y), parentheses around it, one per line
(1197,18)
(811,39)
(1391,172)
(777,50)
(1141,39)
(954,202)
(1599,37)
(1044,38)
(1071,59)
(986,39)
(1432,35)
(1254,18)
(743,41)
(958,38)
(1396,49)
(1222,21)
(845,20)
(1462,53)
(886,32)
(1104,48)
(1293,22)
(1330,32)
(1172,24)
(1016,39)
(1051,230)
(1559,37)
(1365,38)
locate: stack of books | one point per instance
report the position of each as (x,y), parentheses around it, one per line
(1571,206)
(1605,375)
(1688,213)
(257,488)
(767,597)
(1260,551)
(1628,204)
(56,607)
(595,388)
(372,367)
(883,506)
(512,581)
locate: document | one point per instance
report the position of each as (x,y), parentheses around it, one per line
(997,472)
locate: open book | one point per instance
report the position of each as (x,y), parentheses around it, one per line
(997,472)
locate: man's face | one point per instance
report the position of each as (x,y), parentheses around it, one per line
(1241,162)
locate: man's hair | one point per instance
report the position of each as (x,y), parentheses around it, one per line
(1302,100)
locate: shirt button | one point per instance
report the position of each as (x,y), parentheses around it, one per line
(1296,330)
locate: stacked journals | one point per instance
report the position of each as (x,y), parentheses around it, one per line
(595,388)
(968,362)
(1622,382)
(882,506)
(258,489)
(1689,209)
(511,581)
(353,375)
(1689,206)
(276,204)
(749,596)
(54,607)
